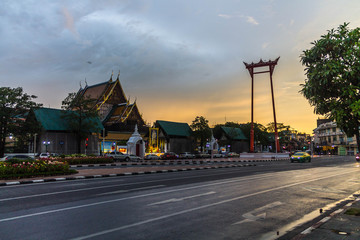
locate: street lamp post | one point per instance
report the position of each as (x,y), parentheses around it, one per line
(46,143)
(35,144)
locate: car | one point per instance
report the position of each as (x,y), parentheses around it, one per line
(152,156)
(119,156)
(169,155)
(186,155)
(19,157)
(217,155)
(233,155)
(300,157)
(44,155)
(357,157)
(203,155)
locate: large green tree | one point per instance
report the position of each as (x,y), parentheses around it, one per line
(261,134)
(332,67)
(14,105)
(201,130)
(80,114)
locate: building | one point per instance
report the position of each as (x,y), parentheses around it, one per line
(233,139)
(56,135)
(118,115)
(329,139)
(174,137)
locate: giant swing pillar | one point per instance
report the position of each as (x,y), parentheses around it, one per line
(250,68)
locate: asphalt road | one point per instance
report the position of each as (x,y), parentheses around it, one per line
(261,202)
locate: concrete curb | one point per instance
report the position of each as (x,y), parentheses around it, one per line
(310,229)
(186,162)
(118,174)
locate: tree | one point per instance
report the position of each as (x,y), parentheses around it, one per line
(261,135)
(80,113)
(332,67)
(201,130)
(14,105)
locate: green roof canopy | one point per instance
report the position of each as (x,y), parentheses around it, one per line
(174,128)
(234,133)
(51,120)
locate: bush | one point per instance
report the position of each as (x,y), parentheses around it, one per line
(33,168)
(86,160)
(17,160)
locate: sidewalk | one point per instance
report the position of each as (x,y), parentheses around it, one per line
(343,223)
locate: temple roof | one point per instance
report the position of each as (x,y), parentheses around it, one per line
(174,128)
(234,133)
(111,101)
(52,120)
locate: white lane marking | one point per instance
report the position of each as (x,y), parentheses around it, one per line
(118,185)
(200,207)
(181,199)
(255,214)
(169,191)
(130,190)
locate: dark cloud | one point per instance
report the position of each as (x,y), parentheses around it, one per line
(169,52)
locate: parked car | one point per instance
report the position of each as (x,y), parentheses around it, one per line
(217,155)
(203,155)
(44,155)
(18,156)
(186,155)
(169,155)
(300,157)
(233,155)
(119,156)
(152,156)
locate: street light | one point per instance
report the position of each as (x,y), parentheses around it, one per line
(46,143)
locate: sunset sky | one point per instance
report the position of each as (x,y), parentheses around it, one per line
(178,58)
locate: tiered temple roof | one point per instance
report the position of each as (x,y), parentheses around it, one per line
(113,106)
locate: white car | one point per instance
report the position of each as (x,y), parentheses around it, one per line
(119,156)
(186,155)
(152,156)
(44,155)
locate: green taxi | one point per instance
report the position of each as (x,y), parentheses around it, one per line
(300,157)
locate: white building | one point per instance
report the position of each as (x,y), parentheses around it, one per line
(328,138)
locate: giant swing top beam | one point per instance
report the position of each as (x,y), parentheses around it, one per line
(261,63)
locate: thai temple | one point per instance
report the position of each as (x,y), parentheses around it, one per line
(118,115)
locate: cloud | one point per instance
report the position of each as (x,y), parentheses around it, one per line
(249,19)
(69,22)
(224,16)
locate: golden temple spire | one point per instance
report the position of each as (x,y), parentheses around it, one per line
(112,74)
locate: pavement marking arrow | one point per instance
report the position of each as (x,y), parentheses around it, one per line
(180,199)
(257,213)
(323,189)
